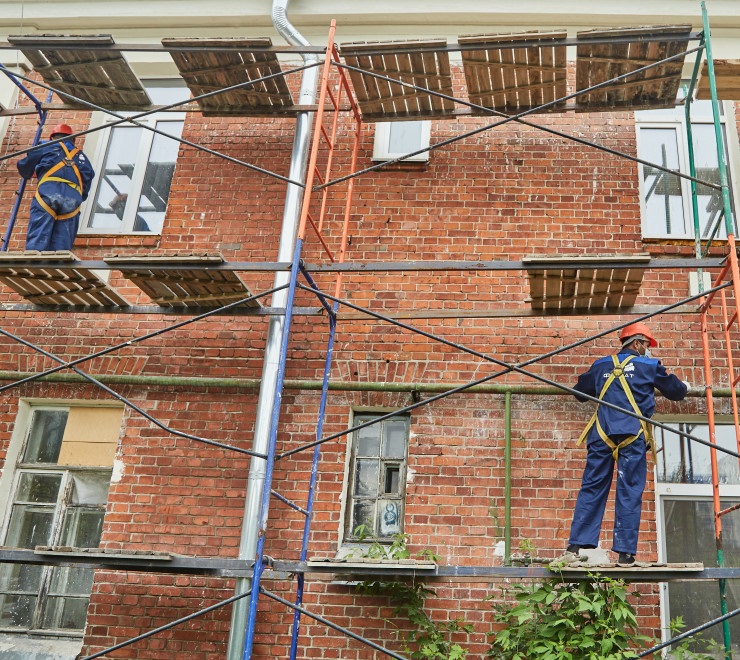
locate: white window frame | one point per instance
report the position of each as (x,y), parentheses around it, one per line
(383,149)
(98,144)
(678,491)
(10,477)
(347,539)
(675,119)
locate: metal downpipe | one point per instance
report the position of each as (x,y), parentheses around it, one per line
(291,216)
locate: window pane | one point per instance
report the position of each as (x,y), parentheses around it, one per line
(366,478)
(20,577)
(389,515)
(66,613)
(392,479)
(29,526)
(404,137)
(36,487)
(689,529)
(363,514)
(73,580)
(686,462)
(45,438)
(395,439)
(707,169)
(82,527)
(115,178)
(90,488)
(368,440)
(16,611)
(663,198)
(155,190)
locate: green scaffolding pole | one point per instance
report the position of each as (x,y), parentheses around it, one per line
(730,229)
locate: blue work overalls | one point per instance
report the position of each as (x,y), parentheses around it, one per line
(64,175)
(628,446)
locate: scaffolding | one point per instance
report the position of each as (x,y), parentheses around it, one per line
(370,82)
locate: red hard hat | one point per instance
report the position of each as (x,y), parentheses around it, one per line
(637,329)
(61,129)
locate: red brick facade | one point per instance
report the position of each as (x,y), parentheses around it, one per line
(502,194)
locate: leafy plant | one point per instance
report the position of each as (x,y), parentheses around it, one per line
(682,650)
(590,620)
(426,639)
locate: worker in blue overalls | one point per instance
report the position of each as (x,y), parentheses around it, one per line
(64,176)
(627,380)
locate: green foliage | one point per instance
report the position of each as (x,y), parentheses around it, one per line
(590,620)
(682,650)
(426,639)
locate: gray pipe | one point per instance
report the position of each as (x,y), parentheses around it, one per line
(291,217)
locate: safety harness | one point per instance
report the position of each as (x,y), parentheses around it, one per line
(49,176)
(618,374)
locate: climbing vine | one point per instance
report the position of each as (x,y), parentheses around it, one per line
(425,639)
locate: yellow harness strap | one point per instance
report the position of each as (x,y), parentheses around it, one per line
(49,176)
(645,428)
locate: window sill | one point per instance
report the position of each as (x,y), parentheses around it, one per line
(118,240)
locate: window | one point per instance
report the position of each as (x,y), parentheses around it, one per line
(377,478)
(57,497)
(395,139)
(134,169)
(662,138)
(687,520)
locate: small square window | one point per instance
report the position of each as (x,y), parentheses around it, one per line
(398,138)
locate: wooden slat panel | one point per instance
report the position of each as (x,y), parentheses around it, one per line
(588,288)
(654,88)
(183,287)
(414,62)
(727,78)
(45,285)
(207,71)
(515,79)
(100,76)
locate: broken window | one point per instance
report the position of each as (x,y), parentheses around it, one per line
(59,493)
(377,478)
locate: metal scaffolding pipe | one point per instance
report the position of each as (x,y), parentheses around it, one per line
(273,346)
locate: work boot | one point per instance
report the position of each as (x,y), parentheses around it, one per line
(625,559)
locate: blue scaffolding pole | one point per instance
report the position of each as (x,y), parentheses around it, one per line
(36,139)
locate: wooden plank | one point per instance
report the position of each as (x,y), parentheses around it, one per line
(654,88)
(210,70)
(183,286)
(536,288)
(572,287)
(415,62)
(43,285)
(513,79)
(98,76)
(726,77)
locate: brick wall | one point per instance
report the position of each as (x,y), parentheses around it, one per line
(499,195)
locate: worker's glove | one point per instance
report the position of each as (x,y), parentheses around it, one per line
(687,383)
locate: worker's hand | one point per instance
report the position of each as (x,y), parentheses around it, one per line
(687,383)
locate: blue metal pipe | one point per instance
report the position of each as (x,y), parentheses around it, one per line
(270,461)
(36,139)
(313,479)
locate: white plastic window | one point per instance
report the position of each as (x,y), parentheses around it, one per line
(134,169)
(398,138)
(662,138)
(686,522)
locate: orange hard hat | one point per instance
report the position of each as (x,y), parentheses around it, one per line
(61,129)
(637,329)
